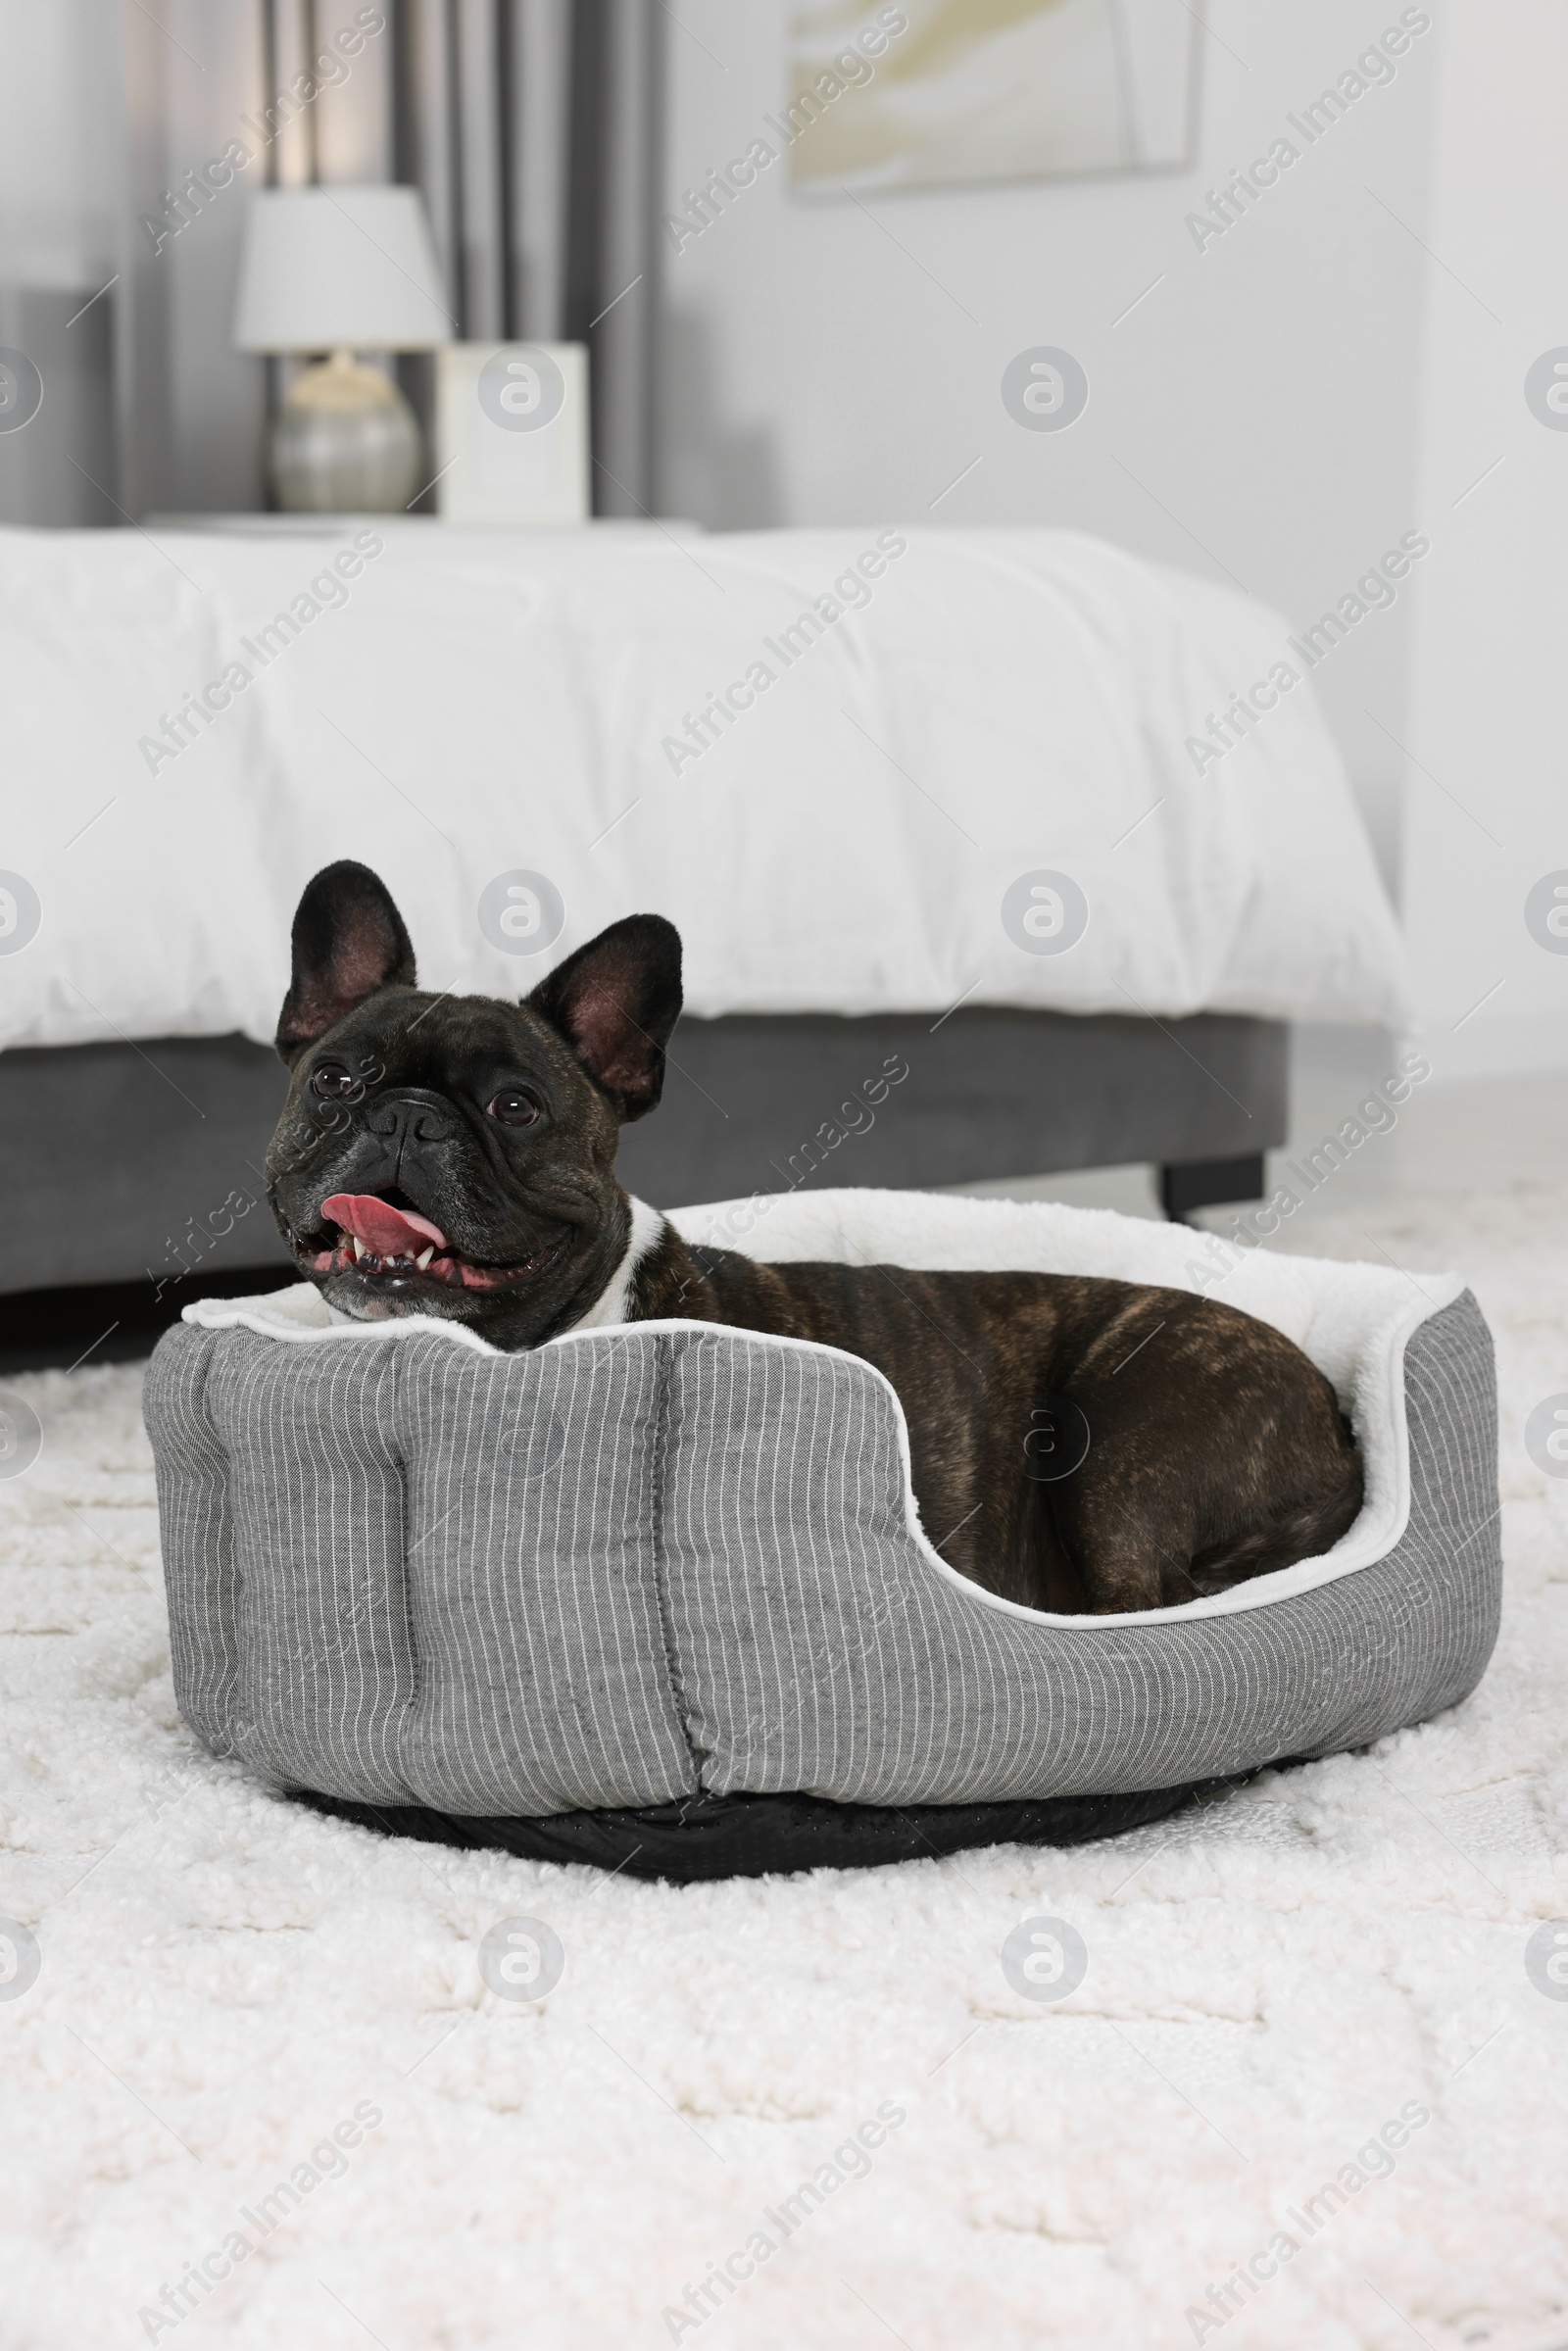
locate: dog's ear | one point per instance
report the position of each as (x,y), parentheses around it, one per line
(615,1002)
(349,940)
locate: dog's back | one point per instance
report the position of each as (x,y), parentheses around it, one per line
(1210,1447)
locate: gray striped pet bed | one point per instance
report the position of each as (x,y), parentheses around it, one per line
(668,1566)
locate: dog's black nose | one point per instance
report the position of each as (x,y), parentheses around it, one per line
(412,1117)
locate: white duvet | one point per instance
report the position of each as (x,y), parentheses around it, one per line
(863,771)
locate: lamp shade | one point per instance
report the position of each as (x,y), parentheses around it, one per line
(328,268)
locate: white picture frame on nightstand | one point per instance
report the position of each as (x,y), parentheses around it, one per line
(511,431)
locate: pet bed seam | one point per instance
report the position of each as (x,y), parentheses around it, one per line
(233,1671)
(409,1721)
(663,1411)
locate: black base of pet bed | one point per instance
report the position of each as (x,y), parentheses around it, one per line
(748,1836)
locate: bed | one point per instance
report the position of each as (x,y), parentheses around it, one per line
(979,818)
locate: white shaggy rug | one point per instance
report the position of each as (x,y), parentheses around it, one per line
(225,1982)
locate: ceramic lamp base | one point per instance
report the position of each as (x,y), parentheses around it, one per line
(346,442)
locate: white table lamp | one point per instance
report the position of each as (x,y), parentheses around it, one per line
(341,271)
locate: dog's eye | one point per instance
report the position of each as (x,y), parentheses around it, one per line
(333,1081)
(513,1108)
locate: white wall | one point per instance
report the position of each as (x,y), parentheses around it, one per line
(1492,620)
(1254,416)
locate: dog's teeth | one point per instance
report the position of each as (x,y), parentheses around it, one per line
(424,1257)
(359,1248)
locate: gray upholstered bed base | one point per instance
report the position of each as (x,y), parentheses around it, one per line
(657,1561)
(119,1161)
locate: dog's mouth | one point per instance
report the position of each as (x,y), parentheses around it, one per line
(386,1240)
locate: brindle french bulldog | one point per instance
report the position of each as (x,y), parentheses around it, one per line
(455,1156)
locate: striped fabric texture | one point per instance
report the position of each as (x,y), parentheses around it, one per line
(648,1562)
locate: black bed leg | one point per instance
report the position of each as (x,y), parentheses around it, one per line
(1207,1183)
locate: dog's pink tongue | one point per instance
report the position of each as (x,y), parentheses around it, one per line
(390,1232)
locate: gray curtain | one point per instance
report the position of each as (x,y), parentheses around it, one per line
(530,127)
(58,106)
